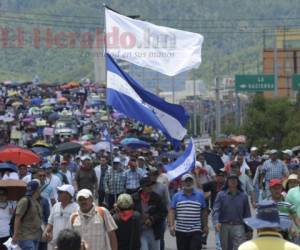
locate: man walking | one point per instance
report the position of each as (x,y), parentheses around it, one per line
(60,213)
(189,208)
(28,220)
(95,224)
(230,208)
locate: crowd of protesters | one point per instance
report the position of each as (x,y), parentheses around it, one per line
(120,197)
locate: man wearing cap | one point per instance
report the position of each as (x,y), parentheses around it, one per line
(153,211)
(141,163)
(272,169)
(60,214)
(132,176)
(85,175)
(66,172)
(95,224)
(268,224)
(114,182)
(100,171)
(253,160)
(286,209)
(189,208)
(230,208)
(28,220)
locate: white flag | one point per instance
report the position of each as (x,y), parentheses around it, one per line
(166,50)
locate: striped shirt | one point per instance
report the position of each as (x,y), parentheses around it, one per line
(188,210)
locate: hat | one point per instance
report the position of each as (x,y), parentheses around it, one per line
(288,152)
(198,164)
(187,176)
(46,165)
(85,193)
(291,177)
(116,160)
(67,188)
(32,187)
(153,170)
(146,181)
(125,201)
(293,165)
(253,149)
(275,182)
(141,158)
(273,151)
(85,157)
(232,175)
(267,216)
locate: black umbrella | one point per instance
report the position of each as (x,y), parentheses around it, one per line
(214,160)
(53,117)
(68,147)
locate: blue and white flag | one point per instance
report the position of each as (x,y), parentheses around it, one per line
(128,97)
(184,164)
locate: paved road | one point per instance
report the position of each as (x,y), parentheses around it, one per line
(171,242)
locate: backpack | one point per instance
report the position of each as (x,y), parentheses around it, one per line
(12,220)
(99,210)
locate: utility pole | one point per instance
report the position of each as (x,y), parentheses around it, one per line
(99,63)
(218,108)
(275,66)
(195,104)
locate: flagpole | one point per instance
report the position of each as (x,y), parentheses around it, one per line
(107,107)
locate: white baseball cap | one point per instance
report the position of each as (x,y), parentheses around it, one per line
(85,193)
(85,157)
(288,152)
(117,160)
(67,188)
(253,149)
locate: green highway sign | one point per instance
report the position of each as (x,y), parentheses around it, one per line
(254,83)
(296,82)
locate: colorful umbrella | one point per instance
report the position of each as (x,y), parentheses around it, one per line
(135,143)
(16,188)
(19,156)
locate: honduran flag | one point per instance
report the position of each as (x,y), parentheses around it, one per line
(128,97)
(184,164)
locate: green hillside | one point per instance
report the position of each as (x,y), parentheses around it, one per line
(233,32)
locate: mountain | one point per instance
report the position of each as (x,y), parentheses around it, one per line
(234,32)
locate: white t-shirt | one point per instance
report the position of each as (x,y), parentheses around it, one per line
(163,179)
(11,176)
(5,217)
(54,182)
(60,217)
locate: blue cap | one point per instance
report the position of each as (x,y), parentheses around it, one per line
(32,187)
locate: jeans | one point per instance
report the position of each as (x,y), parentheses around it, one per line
(189,241)
(28,244)
(218,241)
(232,236)
(148,241)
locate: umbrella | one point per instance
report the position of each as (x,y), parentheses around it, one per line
(87,137)
(134,143)
(47,108)
(8,166)
(68,147)
(214,160)
(41,143)
(171,155)
(296,149)
(103,145)
(42,151)
(16,188)
(19,156)
(36,101)
(17,104)
(62,100)
(53,116)
(28,119)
